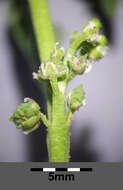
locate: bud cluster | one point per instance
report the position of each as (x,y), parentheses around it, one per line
(88,47)
(92,47)
(95,43)
(55,68)
(27,116)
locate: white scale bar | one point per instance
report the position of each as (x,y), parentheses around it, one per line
(73,169)
(49,169)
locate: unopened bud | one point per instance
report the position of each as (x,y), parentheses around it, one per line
(75,98)
(93,25)
(58,52)
(79,64)
(27,116)
(97,53)
(53,69)
(49,70)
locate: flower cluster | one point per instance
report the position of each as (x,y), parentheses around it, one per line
(54,68)
(91,46)
(27,116)
(85,48)
(88,47)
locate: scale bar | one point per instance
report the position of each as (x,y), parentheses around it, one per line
(36,169)
(49,170)
(73,169)
(61,169)
(86,169)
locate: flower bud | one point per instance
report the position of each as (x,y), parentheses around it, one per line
(97,53)
(27,116)
(78,64)
(98,39)
(93,25)
(91,29)
(53,69)
(58,52)
(49,70)
(75,98)
(103,40)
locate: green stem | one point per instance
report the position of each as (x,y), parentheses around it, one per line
(58,137)
(58,134)
(70,76)
(45,37)
(42,27)
(49,100)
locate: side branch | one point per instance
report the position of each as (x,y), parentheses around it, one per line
(54,85)
(70,76)
(69,117)
(45,120)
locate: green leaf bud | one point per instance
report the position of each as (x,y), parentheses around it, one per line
(27,116)
(76,98)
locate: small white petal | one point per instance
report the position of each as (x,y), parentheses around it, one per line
(103,50)
(26,99)
(57,43)
(95,38)
(90,26)
(84,102)
(43,69)
(35,75)
(88,68)
(25,133)
(69,57)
